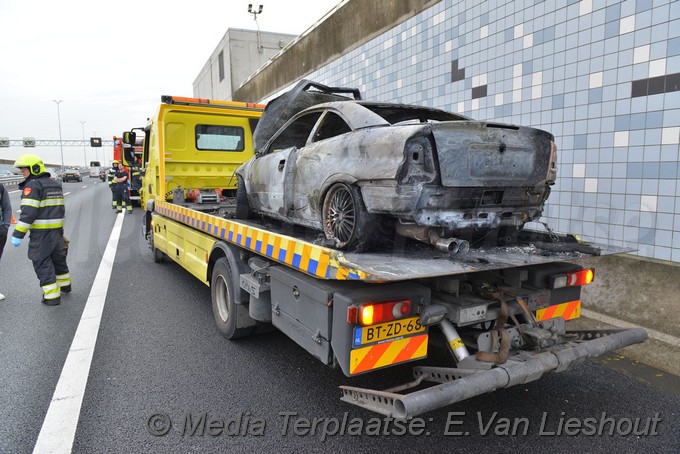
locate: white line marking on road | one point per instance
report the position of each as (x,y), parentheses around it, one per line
(654,334)
(83,187)
(59,427)
(13,192)
(66,193)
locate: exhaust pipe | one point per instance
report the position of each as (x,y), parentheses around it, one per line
(451,246)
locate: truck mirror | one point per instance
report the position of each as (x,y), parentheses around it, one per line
(129,137)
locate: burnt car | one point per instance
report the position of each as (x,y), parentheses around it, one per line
(72,175)
(350,168)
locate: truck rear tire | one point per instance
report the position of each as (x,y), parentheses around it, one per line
(157,255)
(225,310)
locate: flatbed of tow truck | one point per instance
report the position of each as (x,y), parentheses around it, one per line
(298,248)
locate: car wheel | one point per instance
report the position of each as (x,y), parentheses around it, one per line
(242,206)
(225,309)
(345,218)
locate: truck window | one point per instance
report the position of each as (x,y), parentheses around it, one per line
(219,138)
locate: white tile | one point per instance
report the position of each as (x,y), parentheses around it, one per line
(516,95)
(475,104)
(484,32)
(590,185)
(517,71)
(585,7)
(498,99)
(641,54)
(414,59)
(536,91)
(670,136)
(648,203)
(439,18)
(516,83)
(519,30)
(595,80)
(448,45)
(621,139)
(657,67)
(627,25)
(528,41)
(579,171)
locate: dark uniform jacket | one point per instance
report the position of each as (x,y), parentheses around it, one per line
(109,177)
(42,211)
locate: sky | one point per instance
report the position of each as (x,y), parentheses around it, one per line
(110,61)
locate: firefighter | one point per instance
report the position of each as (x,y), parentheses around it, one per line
(110,175)
(42,212)
(120,190)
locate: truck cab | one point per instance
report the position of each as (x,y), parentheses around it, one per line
(191,149)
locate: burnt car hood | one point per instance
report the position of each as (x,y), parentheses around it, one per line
(472,153)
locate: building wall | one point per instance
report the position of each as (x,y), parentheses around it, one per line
(238,57)
(602,75)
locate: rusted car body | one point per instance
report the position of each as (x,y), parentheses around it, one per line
(346,167)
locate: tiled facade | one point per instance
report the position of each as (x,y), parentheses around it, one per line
(602,75)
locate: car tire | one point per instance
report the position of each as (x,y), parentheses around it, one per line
(242,205)
(345,219)
(225,309)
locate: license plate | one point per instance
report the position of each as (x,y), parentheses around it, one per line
(389,330)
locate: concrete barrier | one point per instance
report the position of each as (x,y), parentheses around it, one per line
(636,291)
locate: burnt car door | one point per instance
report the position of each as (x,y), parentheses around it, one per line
(271,181)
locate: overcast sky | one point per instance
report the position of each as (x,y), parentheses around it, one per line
(110,61)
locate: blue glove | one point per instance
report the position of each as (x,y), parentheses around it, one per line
(16,241)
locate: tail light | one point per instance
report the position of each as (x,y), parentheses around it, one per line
(374,313)
(573,279)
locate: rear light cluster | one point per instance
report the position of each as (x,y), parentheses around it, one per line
(373,313)
(574,279)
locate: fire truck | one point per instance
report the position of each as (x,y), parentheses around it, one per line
(130,155)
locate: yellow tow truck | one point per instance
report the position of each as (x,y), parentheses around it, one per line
(501,310)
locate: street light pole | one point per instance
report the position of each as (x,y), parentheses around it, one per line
(61,144)
(82,125)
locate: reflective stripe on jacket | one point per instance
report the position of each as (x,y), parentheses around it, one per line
(42,205)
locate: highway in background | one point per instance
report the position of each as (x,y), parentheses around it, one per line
(162,379)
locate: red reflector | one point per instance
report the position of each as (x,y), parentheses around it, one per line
(373,313)
(352,312)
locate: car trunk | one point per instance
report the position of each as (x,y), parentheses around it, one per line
(478,154)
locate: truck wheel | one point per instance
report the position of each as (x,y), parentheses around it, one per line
(345,219)
(242,206)
(225,310)
(157,255)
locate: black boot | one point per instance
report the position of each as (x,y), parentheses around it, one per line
(52,302)
(66,289)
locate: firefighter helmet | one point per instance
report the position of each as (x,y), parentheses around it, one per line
(33,163)
(114,162)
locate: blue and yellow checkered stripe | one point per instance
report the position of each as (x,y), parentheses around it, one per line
(309,258)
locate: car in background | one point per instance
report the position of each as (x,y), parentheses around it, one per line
(55,174)
(72,175)
(356,170)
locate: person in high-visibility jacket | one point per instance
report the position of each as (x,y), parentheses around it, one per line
(110,175)
(120,190)
(42,213)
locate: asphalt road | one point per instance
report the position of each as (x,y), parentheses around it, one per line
(160,360)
